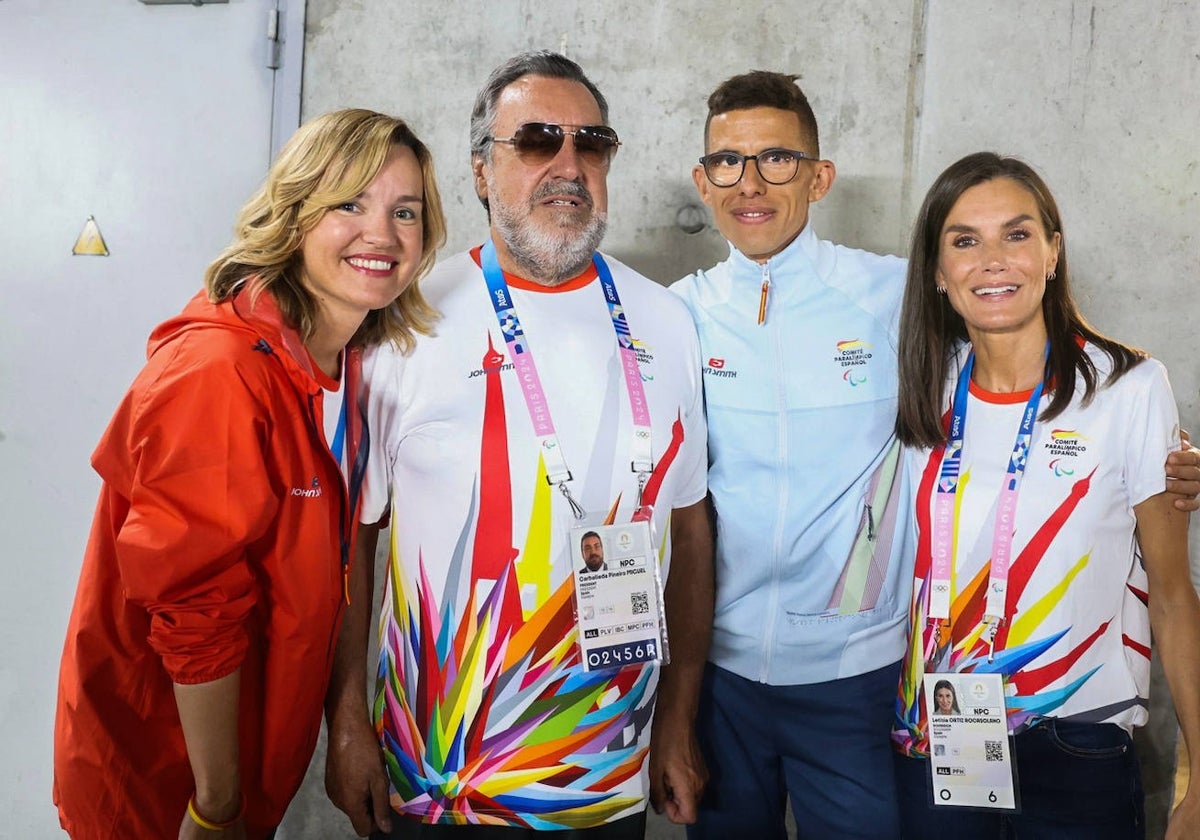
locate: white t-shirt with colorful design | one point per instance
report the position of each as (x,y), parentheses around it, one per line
(1076,640)
(486,713)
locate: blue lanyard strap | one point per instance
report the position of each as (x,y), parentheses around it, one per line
(946,505)
(339,434)
(536,402)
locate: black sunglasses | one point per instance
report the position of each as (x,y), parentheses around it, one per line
(538,143)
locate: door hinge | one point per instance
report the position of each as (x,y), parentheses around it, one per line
(274,43)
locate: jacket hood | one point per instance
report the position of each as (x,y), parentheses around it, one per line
(255,314)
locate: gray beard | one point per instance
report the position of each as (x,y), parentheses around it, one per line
(548,256)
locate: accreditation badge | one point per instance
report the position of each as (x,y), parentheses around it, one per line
(618,596)
(970,753)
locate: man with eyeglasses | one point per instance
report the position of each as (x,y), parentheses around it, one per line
(800,385)
(814,546)
(561,396)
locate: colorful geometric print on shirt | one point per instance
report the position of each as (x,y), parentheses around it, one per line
(486,713)
(1076,639)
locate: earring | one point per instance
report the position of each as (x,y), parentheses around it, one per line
(941,290)
(1051,276)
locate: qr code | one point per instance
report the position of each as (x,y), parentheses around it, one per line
(640,602)
(993,750)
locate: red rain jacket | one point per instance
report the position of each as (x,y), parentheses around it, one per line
(221,539)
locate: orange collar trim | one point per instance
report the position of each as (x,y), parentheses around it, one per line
(517,282)
(996,398)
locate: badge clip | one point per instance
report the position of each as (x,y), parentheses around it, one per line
(576,509)
(993,625)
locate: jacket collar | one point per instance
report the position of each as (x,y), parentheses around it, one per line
(804,258)
(261,313)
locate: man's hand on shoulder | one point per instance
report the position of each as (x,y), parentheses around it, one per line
(1183,474)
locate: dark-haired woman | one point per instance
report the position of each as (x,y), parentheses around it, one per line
(1048,550)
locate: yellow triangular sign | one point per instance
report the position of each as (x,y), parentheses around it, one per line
(90,242)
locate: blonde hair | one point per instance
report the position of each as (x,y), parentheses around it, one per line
(328,161)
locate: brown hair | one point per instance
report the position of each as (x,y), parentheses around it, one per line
(328,161)
(765,89)
(931,331)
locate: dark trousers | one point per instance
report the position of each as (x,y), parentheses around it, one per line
(825,745)
(1076,781)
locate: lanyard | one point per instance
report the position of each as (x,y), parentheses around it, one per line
(1006,508)
(557,474)
(339,434)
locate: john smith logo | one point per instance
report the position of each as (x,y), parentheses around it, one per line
(716,367)
(310,492)
(853,355)
(1065,445)
(493,361)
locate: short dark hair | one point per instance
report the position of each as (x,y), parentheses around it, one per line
(589,534)
(765,89)
(931,331)
(544,63)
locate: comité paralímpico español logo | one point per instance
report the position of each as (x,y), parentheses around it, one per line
(1064,446)
(852,355)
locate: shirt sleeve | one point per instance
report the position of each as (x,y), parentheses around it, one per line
(381,381)
(199,495)
(1152,430)
(693,455)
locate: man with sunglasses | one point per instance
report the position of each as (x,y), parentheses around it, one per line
(560,396)
(814,546)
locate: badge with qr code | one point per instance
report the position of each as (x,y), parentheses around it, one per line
(970,752)
(618,595)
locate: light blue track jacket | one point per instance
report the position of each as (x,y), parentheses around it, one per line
(814,537)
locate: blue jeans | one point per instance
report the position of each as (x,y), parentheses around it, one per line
(825,745)
(1077,781)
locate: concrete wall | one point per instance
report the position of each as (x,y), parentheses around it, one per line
(1099,96)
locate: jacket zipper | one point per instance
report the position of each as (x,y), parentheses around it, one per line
(762,298)
(781,512)
(343,537)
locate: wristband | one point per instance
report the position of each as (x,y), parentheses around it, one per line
(209,824)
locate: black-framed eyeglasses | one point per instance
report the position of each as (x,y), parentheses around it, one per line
(775,166)
(537,143)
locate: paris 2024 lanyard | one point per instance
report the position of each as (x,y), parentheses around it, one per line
(557,474)
(944,511)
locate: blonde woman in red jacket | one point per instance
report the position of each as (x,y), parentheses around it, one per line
(201,639)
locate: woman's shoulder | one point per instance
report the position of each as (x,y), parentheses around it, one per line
(1144,372)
